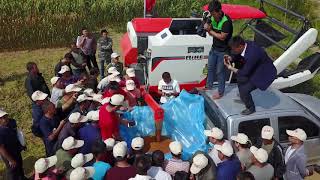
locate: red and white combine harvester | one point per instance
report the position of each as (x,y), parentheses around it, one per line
(173,45)
(156,45)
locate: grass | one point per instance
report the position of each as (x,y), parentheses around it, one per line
(13,94)
(15,101)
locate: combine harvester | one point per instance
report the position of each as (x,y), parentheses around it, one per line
(156,45)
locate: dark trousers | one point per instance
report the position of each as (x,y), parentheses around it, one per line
(14,173)
(91,59)
(245,89)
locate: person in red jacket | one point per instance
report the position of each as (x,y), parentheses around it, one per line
(108,118)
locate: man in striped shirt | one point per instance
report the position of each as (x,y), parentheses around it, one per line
(176,163)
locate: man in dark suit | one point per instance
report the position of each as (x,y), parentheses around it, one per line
(257,71)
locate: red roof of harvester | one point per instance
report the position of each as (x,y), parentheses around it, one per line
(155,25)
(240,11)
(150,25)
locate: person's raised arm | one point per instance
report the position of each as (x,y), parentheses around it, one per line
(109,45)
(69,103)
(225,31)
(80,41)
(74,63)
(56,132)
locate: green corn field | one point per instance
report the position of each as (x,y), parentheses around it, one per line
(32,24)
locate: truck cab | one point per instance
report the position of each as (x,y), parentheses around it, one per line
(280,110)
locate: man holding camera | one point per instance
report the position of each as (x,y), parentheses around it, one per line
(219,26)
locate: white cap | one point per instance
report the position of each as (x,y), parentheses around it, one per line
(120,150)
(80,159)
(76,117)
(130,85)
(199,162)
(298,133)
(72,88)
(105,100)
(54,80)
(83,97)
(38,96)
(64,69)
(130,72)
(267,132)
(113,70)
(115,55)
(117,100)
(225,148)
(93,115)
(97,98)
(43,164)
(137,143)
(175,147)
(88,92)
(82,173)
(71,143)
(110,142)
(260,154)
(240,138)
(2,113)
(214,132)
(114,77)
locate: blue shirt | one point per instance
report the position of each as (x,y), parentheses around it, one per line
(101,169)
(47,126)
(37,113)
(89,133)
(65,132)
(229,169)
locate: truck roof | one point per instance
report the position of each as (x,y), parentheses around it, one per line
(265,101)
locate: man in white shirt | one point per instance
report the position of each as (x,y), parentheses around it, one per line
(57,90)
(142,165)
(295,156)
(168,88)
(215,136)
(156,171)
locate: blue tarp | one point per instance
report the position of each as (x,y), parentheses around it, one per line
(183,121)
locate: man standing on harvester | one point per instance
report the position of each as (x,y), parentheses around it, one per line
(220,28)
(258,70)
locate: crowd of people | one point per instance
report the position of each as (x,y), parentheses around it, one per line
(76,149)
(78,120)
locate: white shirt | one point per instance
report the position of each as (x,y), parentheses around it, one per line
(288,154)
(141,177)
(158,173)
(172,87)
(244,50)
(55,94)
(214,156)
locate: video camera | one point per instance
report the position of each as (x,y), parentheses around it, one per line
(206,18)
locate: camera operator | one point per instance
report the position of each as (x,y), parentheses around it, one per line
(220,28)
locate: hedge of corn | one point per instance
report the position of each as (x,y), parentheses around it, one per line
(30,24)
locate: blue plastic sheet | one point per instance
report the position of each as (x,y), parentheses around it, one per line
(184,120)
